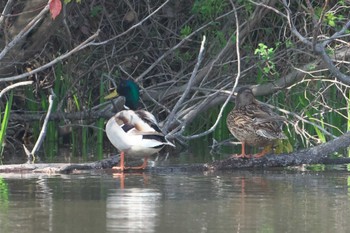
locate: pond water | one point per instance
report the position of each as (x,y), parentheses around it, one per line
(233,201)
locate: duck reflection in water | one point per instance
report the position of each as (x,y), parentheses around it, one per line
(121,177)
(133,210)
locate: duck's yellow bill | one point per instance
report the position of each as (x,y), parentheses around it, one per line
(111,95)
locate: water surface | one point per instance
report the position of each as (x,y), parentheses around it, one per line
(235,201)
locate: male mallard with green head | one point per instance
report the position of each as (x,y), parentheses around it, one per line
(130,90)
(254,123)
(134,132)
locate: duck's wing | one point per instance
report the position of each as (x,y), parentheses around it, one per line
(271,133)
(151,138)
(263,114)
(267,123)
(137,132)
(149,119)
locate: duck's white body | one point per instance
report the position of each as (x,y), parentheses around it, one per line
(135,133)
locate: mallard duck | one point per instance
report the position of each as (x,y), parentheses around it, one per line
(134,132)
(254,123)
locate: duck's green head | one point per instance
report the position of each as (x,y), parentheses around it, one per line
(130,90)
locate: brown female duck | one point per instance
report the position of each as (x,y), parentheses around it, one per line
(254,123)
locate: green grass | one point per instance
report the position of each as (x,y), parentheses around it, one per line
(4,123)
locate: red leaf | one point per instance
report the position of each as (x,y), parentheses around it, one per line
(55,8)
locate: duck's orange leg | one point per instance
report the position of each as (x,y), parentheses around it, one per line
(121,166)
(263,152)
(243,154)
(143,166)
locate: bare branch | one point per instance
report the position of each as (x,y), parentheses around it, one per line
(337,34)
(169,51)
(319,48)
(233,88)
(8,88)
(187,90)
(292,26)
(24,31)
(133,26)
(269,7)
(43,130)
(5,12)
(81,46)
(301,119)
(314,155)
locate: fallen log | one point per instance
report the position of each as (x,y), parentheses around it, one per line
(62,168)
(313,155)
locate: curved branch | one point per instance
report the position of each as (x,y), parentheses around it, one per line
(12,86)
(319,47)
(296,75)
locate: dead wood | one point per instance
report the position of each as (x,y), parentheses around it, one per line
(64,168)
(314,155)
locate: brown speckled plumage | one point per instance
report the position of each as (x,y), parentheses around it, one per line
(254,123)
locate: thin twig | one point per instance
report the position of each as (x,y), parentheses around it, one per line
(81,46)
(269,7)
(169,51)
(292,26)
(301,119)
(133,26)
